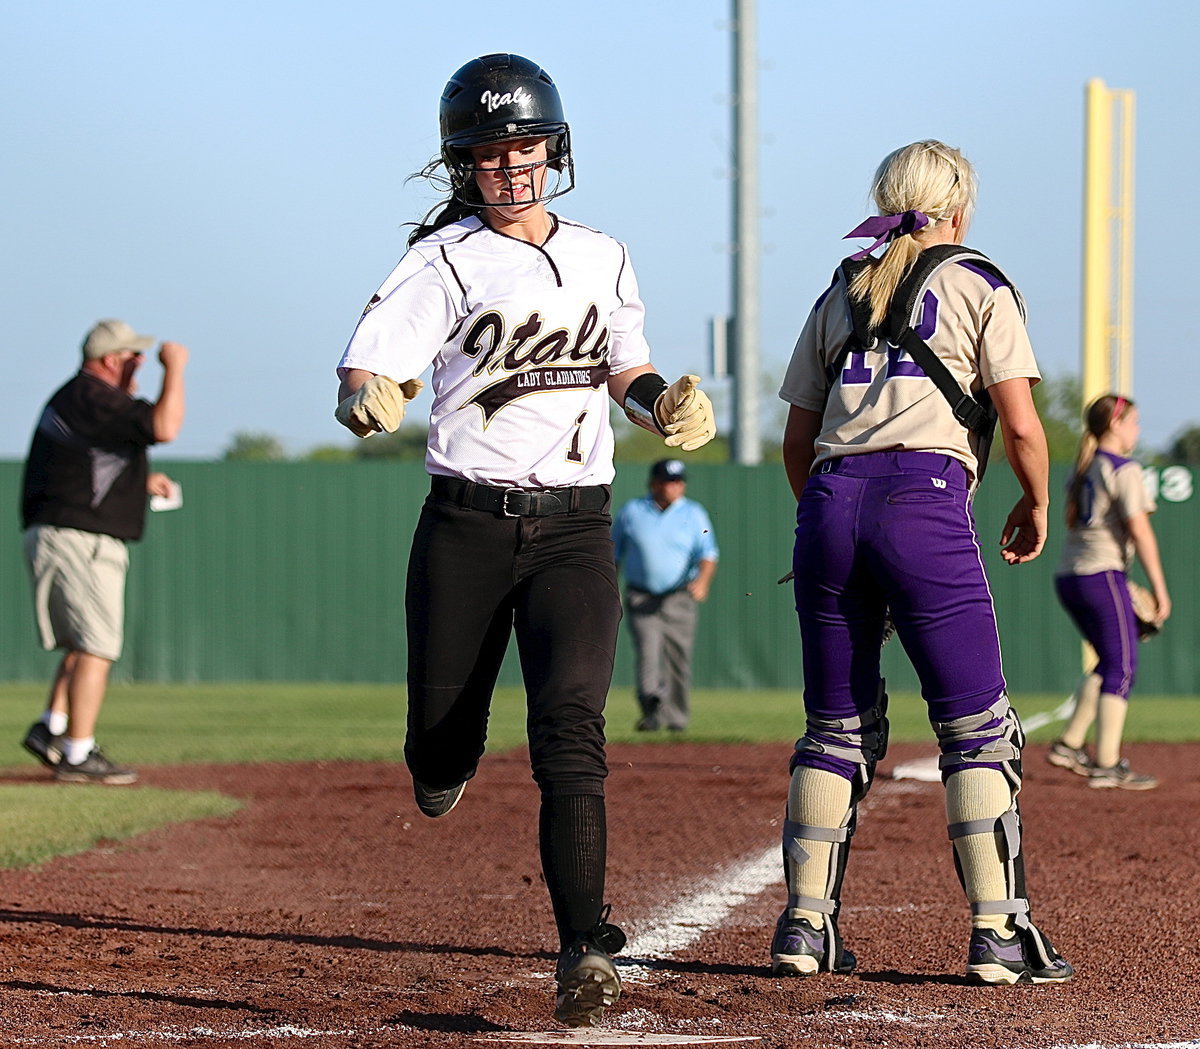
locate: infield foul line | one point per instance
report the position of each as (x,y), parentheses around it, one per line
(704,909)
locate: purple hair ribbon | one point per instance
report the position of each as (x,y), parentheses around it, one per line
(887,228)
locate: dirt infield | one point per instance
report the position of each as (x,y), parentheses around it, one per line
(329,914)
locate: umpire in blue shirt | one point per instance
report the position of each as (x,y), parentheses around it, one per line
(666,547)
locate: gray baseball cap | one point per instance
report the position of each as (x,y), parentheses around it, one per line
(113,336)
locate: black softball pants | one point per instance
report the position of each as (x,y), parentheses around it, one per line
(474,577)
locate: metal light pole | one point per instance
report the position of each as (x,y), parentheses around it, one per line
(747,445)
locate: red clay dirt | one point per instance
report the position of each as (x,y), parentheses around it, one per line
(329,914)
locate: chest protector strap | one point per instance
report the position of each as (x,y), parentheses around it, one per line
(975,411)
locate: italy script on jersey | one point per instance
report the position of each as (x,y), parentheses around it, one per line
(522,339)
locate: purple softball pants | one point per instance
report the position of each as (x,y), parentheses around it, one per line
(1100,607)
(892,530)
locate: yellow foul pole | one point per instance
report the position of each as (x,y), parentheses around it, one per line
(1107,344)
(1097,247)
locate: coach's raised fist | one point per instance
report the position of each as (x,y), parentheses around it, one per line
(685,414)
(172,355)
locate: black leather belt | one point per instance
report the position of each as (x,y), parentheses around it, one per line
(521,502)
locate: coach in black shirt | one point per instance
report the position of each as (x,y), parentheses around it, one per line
(85,487)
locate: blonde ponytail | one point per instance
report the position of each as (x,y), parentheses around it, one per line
(929,177)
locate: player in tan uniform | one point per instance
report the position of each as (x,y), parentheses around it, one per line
(1108,521)
(883,473)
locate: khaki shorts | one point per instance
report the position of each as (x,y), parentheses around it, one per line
(78,589)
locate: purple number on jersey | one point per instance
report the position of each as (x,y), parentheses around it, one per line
(859,373)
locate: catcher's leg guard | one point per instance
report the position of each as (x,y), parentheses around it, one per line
(984,823)
(981,762)
(822,815)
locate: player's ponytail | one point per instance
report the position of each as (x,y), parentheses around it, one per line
(1099,416)
(929,177)
(460,205)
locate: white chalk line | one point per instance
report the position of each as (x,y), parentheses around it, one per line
(1047,717)
(697,913)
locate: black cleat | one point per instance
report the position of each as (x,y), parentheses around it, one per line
(435,802)
(95,768)
(42,745)
(587,985)
(586,977)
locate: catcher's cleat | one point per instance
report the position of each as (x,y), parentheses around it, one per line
(797,949)
(42,745)
(435,802)
(1120,777)
(1025,957)
(1065,757)
(587,985)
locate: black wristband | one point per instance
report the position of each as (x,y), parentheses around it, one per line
(640,398)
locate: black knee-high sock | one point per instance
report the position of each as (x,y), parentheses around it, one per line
(574,845)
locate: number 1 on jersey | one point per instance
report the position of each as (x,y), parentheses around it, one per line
(574,455)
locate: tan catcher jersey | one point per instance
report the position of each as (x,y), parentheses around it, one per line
(1113,491)
(881,400)
(522,339)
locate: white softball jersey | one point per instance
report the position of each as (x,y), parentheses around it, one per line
(1113,491)
(881,400)
(522,339)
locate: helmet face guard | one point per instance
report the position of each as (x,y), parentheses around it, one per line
(498,98)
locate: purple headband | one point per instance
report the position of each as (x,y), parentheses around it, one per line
(887,228)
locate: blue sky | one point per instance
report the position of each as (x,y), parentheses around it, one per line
(233,175)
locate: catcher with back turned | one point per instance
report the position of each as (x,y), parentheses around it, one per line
(532,323)
(883,468)
(1108,521)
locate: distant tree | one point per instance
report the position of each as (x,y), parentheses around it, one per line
(405,443)
(635,445)
(1185,447)
(1059,401)
(330,453)
(255,447)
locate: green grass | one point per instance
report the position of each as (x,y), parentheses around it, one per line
(150,724)
(228,723)
(38,823)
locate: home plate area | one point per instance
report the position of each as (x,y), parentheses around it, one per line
(328,913)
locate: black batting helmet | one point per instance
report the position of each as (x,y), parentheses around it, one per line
(499,97)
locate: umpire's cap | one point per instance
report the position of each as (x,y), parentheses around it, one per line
(668,470)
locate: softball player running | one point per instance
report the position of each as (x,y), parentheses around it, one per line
(531,322)
(1108,520)
(883,473)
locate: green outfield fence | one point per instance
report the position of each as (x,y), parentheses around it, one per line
(295,572)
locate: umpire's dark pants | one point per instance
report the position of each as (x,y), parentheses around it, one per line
(472,577)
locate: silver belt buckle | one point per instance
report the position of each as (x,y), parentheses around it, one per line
(504,510)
